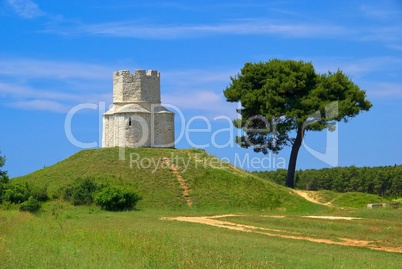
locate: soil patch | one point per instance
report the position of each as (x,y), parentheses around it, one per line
(183,184)
(331,217)
(308,195)
(214,221)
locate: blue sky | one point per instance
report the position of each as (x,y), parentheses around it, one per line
(55,55)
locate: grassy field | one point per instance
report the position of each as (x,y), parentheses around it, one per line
(271,227)
(63,236)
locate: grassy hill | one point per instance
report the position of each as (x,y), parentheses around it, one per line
(170,179)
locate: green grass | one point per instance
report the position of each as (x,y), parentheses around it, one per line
(348,199)
(63,236)
(325,196)
(213,185)
(357,199)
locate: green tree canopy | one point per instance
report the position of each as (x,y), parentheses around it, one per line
(282,99)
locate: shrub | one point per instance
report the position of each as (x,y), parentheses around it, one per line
(30,205)
(17,193)
(81,192)
(116,198)
(4,179)
(40,194)
(3,185)
(1,193)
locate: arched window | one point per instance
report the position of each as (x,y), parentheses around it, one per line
(129,121)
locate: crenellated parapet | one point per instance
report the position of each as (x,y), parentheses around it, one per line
(138,87)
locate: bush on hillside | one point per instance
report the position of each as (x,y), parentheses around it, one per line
(22,194)
(30,205)
(81,192)
(4,179)
(17,193)
(40,194)
(116,198)
(3,185)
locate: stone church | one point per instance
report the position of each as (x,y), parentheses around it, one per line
(137,118)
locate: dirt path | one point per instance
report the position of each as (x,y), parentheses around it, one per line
(214,221)
(183,184)
(309,197)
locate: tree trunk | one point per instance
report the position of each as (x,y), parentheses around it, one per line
(290,179)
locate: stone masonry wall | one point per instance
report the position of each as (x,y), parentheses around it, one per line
(163,130)
(125,125)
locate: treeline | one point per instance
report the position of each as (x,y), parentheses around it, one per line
(385,181)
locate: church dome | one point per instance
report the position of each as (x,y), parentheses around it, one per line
(131,108)
(110,111)
(161,109)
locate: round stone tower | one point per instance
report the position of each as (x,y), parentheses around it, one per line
(137,118)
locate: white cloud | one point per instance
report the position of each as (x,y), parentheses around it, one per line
(384,90)
(33,68)
(386,34)
(134,29)
(371,74)
(396,47)
(44,105)
(192,78)
(369,65)
(55,86)
(25,8)
(34,84)
(11,90)
(357,67)
(381,11)
(382,22)
(50,85)
(198,90)
(204,102)
(53,100)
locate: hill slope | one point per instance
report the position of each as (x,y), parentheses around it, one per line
(170,179)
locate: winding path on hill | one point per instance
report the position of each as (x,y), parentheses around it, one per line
(214,221)
(309,197)
(183,184)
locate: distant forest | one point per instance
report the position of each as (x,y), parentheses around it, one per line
(385,181)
